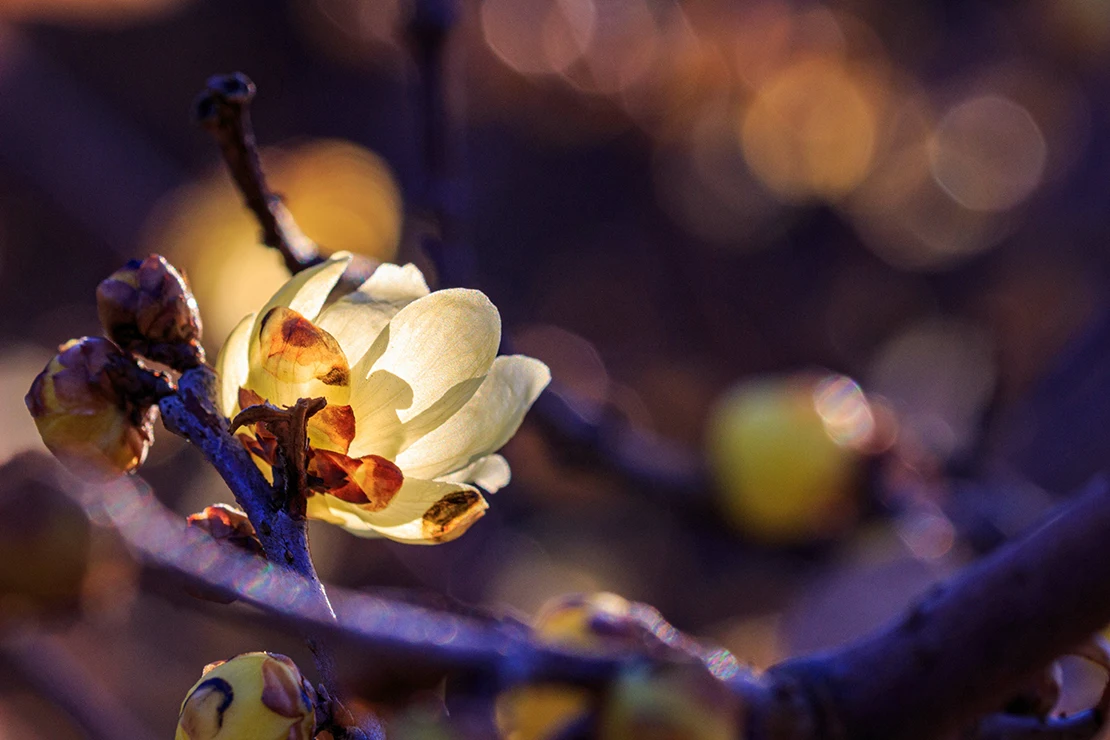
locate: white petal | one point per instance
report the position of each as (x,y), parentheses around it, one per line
(484,424)
(233,366)
(357,318)
(305,293)
(430,347)
(490,473)
(395,283)
(403,520)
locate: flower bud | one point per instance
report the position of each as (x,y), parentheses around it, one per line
(261,696)
(83,419)
(675,703)
(146,307)
(228,524)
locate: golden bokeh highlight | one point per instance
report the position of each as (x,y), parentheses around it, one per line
(988,153)
(810,132)
(343,196)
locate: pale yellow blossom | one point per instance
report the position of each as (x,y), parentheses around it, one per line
(418,400)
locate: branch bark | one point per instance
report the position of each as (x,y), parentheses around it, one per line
(192,414)
(223,109)
(973,641)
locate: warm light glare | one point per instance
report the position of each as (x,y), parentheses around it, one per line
(810,131)
(341,195)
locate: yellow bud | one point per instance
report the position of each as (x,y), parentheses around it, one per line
(88,425)
(146,307)
(585,621)
(680,703)
(785,453)
(253,696)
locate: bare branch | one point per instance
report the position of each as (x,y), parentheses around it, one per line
(192,414)
(974,641)
(224,110)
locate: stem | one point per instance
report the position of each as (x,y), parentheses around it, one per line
(192,414)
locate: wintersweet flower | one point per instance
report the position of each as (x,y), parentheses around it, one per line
(418,401)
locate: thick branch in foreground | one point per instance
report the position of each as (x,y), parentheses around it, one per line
(224,110)
(957,656)
(972,642)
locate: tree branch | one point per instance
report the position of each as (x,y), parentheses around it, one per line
(191,413)
(974,641)
(223,109)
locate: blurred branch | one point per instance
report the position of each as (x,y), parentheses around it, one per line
(973,641)
(1082,726)
(223,109)
(960,654)
(45,663)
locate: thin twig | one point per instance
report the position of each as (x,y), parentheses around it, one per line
(45,663)
(223,109)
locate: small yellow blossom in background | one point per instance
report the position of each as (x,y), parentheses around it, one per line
(418,400)
(253,696)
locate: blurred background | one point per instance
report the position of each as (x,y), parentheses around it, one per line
(822,286)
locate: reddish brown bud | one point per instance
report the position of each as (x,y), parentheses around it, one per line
(147,308)
(228,524)
(83,419)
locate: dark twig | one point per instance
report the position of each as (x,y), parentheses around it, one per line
(45,663)
(1082,726)
(224,110)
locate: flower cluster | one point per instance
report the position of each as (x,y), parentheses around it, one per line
(418,401)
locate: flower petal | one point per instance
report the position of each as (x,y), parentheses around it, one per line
(490,473)
(357,318)
(430,346)
(371,482)
(305,293)
(484,424)
(298,359)
(233,366)
(395,283)
(423,512)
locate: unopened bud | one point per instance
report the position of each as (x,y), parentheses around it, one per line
(228,524)
(681,701)
(596,620)
(262,696)
(147,308)
(83,419)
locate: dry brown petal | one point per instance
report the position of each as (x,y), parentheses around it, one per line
(370,481)
(281,692)
(294,350)
(332,428)
(228,524)
(452,515)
